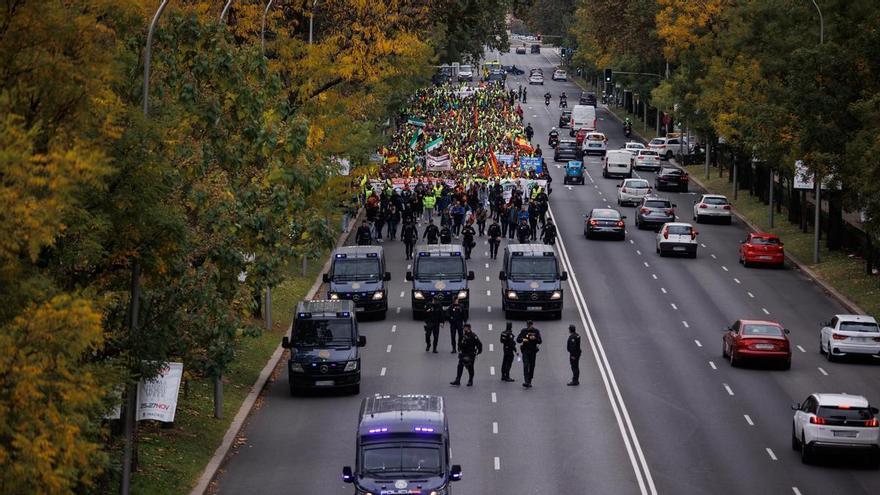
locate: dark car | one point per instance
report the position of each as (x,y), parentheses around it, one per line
(587,98)
(496,77)
(654,212)
(512,69)
(565,119)
(520,50)
(671,178)
(536,48)
(604,221)
(566,150)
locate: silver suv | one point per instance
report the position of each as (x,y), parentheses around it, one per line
(653,212)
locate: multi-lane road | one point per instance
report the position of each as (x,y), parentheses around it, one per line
(658,410)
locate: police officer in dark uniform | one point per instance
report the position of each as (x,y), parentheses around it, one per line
(529,131)
(523,232)
(508,347)
(409,234)
(456,324)
(363,235)
(431,232)
(548,233)
(467,240)
(573,346)
(469,348)
(495,235)
(529,338)
(433,321)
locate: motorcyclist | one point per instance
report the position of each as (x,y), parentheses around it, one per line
(547,97)
(563,100)
(553,138)
(529,131)
(627,127)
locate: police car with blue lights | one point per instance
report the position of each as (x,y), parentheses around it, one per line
(324,347)
(531,281)
(402,447)
(357,273)
(439,270)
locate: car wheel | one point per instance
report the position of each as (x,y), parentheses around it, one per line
(622,237)
(698,218)
(734,362)
(786,365)
(669,155)
(564,179)
(829,354)
(821,348)
(728,221)
(693,255)
(638,225)
(661,252)
(356,389)
(293,390)
(657,248)
(557,315)
(795,443)
(588,234)
(381,316)
(745,262)
(683,189)
(723,349)
(806,452)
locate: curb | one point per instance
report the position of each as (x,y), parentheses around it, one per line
(213,466)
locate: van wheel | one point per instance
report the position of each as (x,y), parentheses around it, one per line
(557,315)
(356,389)
(293,390)
(795,443)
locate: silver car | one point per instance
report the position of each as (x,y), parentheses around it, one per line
(632,191)
(646,160)
(654,212)
(713,206)
(846,335)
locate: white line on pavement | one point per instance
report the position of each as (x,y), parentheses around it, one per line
(398,310)
(724,268)
(713,256)
(712,365)
(823,371)
(699,344)
(750,295)
(654,275)
(771,454)
(488,309)
(638,252)
(402,293)
(673,306)
(490,327)
(382,372)
(663,290)
(408,267)
(765,311)
(492,370)
(702,245)
(393,328)
(487,278)
(388,349)
(632,241)
(795,490)
(491,347)
(736,280)
(685,324)
(487,265)
(494,427)
(646,264)
(800,348)
(497,463)
(488,292)
(729,390)
(748,420)
(494,397)
(485,253)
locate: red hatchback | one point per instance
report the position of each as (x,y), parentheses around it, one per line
(756,339)
(762,249)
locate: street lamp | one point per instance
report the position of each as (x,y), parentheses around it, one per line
(224,11)
(818,206)
(312,19)
(263,29)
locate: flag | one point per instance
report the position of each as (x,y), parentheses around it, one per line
(523,144)
(415,139)
(415,121)
(434,144)
(494,162)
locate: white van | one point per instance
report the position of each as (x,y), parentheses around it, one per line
(618,163)
(583,117)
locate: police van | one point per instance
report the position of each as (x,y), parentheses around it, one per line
(402,447)
(439,270)
(324,347)
(357,273)
(531,281)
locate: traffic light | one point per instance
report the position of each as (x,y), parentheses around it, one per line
(608,74)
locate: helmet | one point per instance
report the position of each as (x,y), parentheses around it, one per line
(553,129)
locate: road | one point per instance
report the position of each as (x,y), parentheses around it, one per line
(658,410)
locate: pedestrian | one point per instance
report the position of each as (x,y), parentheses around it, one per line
(409,234)
(548,233)
(573,346)
(529,339)
(468,350)
(379,222)
(523,232)
(433,322)
(512,221)
(432,233)
(456,324)
(508,346)
(482,215)
(467,240)
(494,239)
(525,95)
(428,203)
(393,220)
(364,236)
(533,219)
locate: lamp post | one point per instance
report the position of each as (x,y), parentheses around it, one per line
(818,206)
(224,12)
(312,20)
(263,29)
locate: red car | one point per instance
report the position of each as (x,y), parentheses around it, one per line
(756,339)
(762,249)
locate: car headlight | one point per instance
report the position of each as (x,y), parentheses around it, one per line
(557,294)
(441,491)
(462,294)
(378,295)
(351,366)
(511,294)
(296,367)
(334,296)
(418,295)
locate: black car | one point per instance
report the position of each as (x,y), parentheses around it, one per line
(566,150)
(654,212)
(587,98)
(605,221)
(565,119)
(520,50)
(536,48)
(671,178)
(512,69)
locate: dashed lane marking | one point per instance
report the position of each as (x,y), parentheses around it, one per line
(402,293)
(674,306)
(765,311)
(388,349)
(494,427)
(712,365)
(646,264)
(736,280)
(800,348)
(724,268)
(748,420)
(713,256)
(632,241)
(702,245)
(398,310)
(771,454)
(488,292)
(490,327)
(408,267)
(497,464)
(654,275)
(638,252)
(491,347)
(492,370)
(487,265)
(795,490)
(393,328)
(382,372)
(663,290)
(485,253)
(699,344)
(488,309)
(729,390)
(685,324)
(823,371)
(494,397)
(487,278)
(750,295)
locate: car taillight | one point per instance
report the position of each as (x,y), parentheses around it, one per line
(669,211)
(623,189)
(702,206)
(837,336)
(872,422)
(817,420)
(666,234)
(726,207)
(693,234)
(876,339)
(641,158)
(644,210)
(593,222)
(620,223)
(684,178)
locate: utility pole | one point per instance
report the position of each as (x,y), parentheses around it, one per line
(818,208)
(770,210)
(263,28)
(312,20)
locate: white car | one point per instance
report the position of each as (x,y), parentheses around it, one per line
(559,75)
(536,78)
(835,421)
(713,206)
(633,147)
(667,147)
(677,238)
(632,191)
(646,160)
(846,335)
(465,73)
(595,144)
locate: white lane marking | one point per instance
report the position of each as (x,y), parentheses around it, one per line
(750,295)
(771,454)
(765,311)
(491,347)
(713,256)
(485,253)
(646,264)
(382,372)
(600,193)
(492,370)
(488,292)
(624,423)
(729,390)
(568,187)
(497,463)
(488,309)
(388,349)
(685,324)
(401,293)
(724,268)
(699,344)
(748,420)
(393,328)
(654,275)
(674,306)
(663,290)
(712,365)
(490,327)
(632,241)
(638,252)
(494,427)
(408,267)
(736,280)
(702,245)
(494,397)
(795,490)
(487,265)
(800,348)
(398,310)
(487,278)
(823,371)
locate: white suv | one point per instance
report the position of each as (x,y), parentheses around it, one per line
(677,238)
(835,421)
(667,147)
(712,206)
(849,334)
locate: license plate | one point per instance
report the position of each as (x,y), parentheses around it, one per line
(764,347)
(766,257)
(324,383)
(533,308)
(845,434)
(678,248)
(357,309)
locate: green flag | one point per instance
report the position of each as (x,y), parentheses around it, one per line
(434,144)
(415,139)
(416,121)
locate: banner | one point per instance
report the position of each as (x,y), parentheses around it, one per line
(415,121)
(507,160)
(535,163)
(803,178)
(157,398)
(434,144)
(415,139)
(438,163)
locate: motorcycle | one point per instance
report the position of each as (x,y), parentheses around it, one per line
(547,101)
(553,140)
(627,130)
(563,103)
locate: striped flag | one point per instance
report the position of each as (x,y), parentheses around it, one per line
(415,121)
(415,139)
(434,144)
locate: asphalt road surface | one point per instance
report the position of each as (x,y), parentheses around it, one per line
(658,410)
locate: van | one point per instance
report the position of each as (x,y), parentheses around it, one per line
(357,273)
(439,271)
(531,280)
(583,117)
(618,163)
(402,446)
(324,347)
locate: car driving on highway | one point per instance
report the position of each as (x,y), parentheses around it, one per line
(677,238)
(531,281)
(712,206)
(849,335)
(840,422)
(632,191)
(646,160)
(671,178)
(604,222)
(566,150)
(536,78)
(565,119)
(761,248)
(559,75)
(653,212)
(633,147)
(756,340)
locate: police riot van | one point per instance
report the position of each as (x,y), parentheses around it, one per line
(357,273)
(402,447)
(324,347)
(531,281)
(439,270)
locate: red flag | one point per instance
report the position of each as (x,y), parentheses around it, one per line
(494,161)
(476,118)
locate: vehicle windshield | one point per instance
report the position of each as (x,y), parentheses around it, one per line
(715,201)
(765,241)
(605,214)
(647,153)
(679,229)
(397,459)
(657,141)
(566,144)
(670,171)
(635,146)
(356,269)
(464,68)
(856,326)
(761,331)
(310,333)
(637,184)
(440,267)
(654,203)
(845,413)
(529,267)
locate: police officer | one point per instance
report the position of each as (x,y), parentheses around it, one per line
(523,232)
(548,233)
(363,235)
(574,354)
(529,131)
(445,235)
(529,339)
(508,346)
(433,321)
(538,151)
(469,349)
(432,233)
(467,240)
(409,235)
(456,323)
(495,235)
